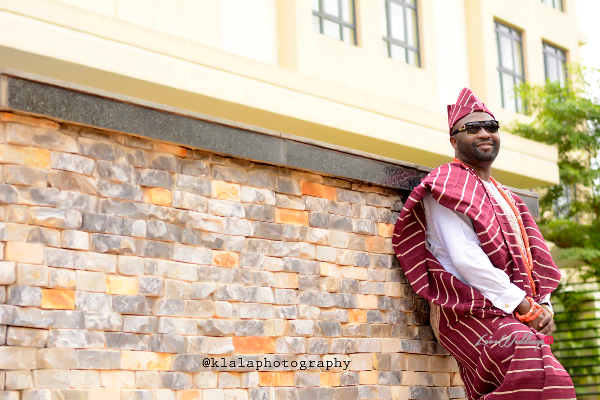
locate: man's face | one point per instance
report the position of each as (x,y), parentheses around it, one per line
(482,147)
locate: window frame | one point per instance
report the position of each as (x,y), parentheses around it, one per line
(390,40)
(333,18)
(513,37)
(556,56)
(560,3)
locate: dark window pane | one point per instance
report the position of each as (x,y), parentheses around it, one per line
(503,29)
(554,64)
(348,35)
(549,49)
(510,65)
(508,83)
(331,7)
(413,58)
(562,73)
(519,101)
(557,4)
(397,22)
(552,70)
(515,34)
(316,24)
(331,29)
(411,27)
(399,27)
(334,19)
(518,57)
(398,53)
(506,54)
(348,11)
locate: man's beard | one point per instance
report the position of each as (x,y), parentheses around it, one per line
(473,152)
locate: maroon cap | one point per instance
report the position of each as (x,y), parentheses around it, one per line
(465,105)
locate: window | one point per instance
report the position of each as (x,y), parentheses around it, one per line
(335,18)
(562,204)
(555,61)
(558,4)
(399,30)
(510,66)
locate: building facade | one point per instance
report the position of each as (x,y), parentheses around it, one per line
(227,268)
(183,181)
(364,74)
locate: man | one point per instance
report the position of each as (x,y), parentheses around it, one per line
(470,247)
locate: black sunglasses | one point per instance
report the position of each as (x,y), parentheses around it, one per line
(474,127)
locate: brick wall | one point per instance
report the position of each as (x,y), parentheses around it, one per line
(127,262)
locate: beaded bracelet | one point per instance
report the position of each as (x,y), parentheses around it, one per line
(533,312)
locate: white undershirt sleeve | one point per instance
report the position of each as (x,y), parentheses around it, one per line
(461,244)
(546,300)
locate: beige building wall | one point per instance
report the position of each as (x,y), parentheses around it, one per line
(538,23)
(452,50)
(259,62)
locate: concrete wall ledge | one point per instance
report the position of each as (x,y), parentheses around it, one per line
(26,93)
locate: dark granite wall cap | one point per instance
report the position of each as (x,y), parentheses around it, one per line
(26,93)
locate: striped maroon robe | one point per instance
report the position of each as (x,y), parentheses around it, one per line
(489,371)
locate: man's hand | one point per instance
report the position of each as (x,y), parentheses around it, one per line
(544,323)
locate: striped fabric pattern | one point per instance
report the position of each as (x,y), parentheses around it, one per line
(465,105)
(488,371)
(512,366)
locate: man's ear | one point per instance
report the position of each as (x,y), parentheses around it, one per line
(453,142)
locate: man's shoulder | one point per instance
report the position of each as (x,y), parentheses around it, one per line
(443,171)
(446,179)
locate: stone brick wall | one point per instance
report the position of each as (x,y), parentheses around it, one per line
(126,263)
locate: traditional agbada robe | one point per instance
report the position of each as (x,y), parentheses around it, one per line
(494,369)
(490,371)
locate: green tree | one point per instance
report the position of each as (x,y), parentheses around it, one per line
(568,117)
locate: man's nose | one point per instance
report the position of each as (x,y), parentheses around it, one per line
(483,133)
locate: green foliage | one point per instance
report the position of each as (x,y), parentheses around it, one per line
(571,301)
(577,242)
(565,233)
(569,118)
